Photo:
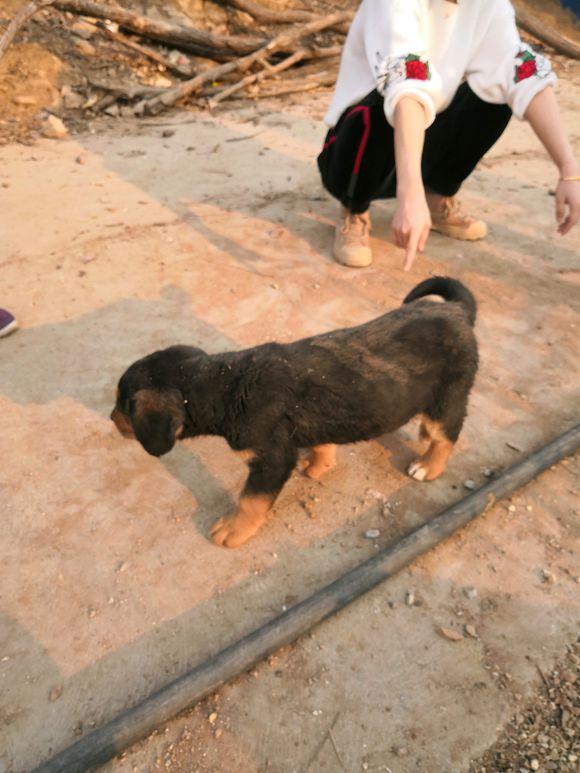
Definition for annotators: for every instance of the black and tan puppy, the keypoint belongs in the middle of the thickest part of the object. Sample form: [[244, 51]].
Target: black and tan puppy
[[339, 387]]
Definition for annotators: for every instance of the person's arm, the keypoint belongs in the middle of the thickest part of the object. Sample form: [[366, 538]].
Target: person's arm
[[412, 219], [543, 115]]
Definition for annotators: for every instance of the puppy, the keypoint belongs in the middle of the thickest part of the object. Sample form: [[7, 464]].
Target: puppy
[[340, 387]]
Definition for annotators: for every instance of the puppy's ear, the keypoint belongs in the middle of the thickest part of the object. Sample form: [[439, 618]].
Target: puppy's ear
[[157, 416]]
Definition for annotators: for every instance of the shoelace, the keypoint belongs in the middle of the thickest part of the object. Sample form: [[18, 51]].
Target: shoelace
[[355, 228]]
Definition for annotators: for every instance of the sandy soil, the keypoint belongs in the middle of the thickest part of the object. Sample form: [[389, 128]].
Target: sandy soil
[[214, 230]]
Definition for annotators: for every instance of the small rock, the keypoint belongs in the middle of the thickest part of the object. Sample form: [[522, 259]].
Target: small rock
[[73, 100], [548, 577], [218, 732], [470, 593], [572, 758], [534, 765], [87, 258], [401, 751], [112, 110], [212, 718], [85, 48], [161, 82], [25, 99], [54, 128], [55, 693], [82, 160], [512, 508], [450, 634], [469, 484], [168, 132], [470, 631], [488, 472], [82, 29], [372, 533], [409, 598], [91, 612]]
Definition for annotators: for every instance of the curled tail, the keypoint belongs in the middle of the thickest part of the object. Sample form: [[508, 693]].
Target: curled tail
[[450, 289]]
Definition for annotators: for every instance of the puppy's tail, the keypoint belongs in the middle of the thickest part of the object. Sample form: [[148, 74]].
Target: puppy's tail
[[450, 289]]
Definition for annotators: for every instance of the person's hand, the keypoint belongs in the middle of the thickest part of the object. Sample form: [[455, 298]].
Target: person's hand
[[411, 224], [567, 205]]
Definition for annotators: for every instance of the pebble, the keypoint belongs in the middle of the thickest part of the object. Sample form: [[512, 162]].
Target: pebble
[[81, 160], [85, 48], [512, 508], [25, 99], [469, 484], [409, 598], [218, 732], [470, 631], [55, 693], [470, 593], [372, 533], [534, 765], [54, 128], [401, 751], [488, 472], [212, 718], [450, 634], [168, 132]]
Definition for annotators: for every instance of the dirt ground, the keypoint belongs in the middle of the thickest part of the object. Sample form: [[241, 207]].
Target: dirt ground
[[214, 230]]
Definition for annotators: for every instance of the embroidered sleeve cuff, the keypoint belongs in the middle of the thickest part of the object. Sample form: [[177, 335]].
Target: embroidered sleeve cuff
[[531, 74], [409, 89]]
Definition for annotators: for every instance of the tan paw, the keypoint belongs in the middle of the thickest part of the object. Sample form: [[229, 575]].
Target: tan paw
[[232, 531], [316, 471], [420, 470]]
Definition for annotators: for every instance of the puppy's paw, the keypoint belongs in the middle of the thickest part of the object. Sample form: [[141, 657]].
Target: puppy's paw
[[232, 531], [316, 470], [422, 469], [417, 470]]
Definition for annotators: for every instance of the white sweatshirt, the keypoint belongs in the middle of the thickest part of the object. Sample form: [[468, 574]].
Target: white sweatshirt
[[426, 48]]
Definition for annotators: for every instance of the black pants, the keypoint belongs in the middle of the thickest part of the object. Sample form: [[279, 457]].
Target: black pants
[[357, 163]]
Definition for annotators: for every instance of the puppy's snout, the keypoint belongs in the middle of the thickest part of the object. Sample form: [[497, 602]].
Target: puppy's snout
[[122, 423]]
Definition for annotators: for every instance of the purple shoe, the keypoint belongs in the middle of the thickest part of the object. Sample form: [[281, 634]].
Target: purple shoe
[[7, 323]]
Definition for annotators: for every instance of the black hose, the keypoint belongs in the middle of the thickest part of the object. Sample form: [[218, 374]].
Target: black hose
[[134, 724]]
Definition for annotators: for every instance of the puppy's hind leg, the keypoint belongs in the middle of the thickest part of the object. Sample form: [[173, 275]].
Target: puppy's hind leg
[[440, 426], [322, 459], [434, 461]]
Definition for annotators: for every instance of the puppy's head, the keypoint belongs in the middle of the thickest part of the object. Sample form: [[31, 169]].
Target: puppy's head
[[150, 404]]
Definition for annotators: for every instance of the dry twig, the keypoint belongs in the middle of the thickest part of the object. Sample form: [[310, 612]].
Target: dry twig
[[23, 15], [185, 72], [269, 16]]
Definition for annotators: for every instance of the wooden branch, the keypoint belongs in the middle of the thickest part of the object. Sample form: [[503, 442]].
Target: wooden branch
[[298, 85], [185, 72], [282, 42], [187, 38], [561, 44], [270, 72], [266, 15], [23, 15]]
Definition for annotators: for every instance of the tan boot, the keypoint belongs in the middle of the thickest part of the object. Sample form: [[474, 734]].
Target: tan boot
[[447, 218], [352, 240]]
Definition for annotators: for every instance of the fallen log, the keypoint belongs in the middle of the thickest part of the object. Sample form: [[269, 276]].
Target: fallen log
[[189, 39], [561, 44], [285, 41], [23, 15]]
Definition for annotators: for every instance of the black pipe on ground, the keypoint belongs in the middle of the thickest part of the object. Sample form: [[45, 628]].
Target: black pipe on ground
[[134, 724]]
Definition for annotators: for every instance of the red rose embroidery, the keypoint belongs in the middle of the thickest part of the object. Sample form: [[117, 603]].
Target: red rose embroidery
[[527, 68], [417, 69]]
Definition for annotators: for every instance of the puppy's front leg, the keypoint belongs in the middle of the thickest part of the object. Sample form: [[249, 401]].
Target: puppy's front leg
[[269, 471]]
